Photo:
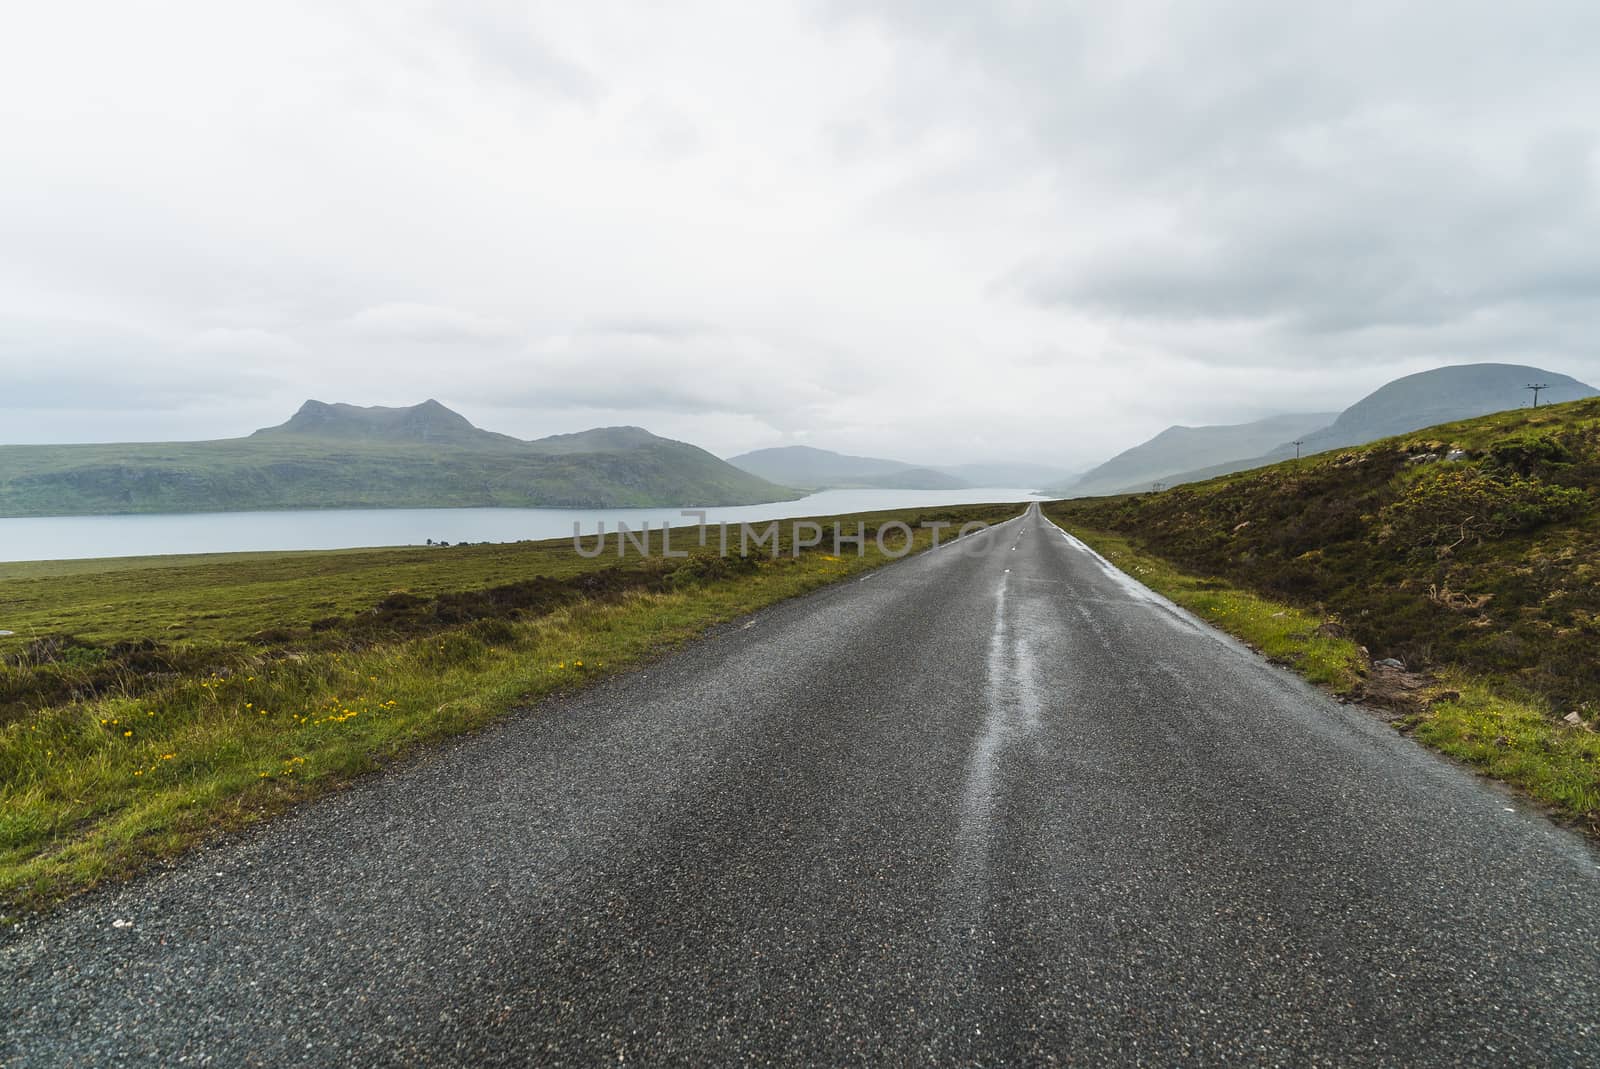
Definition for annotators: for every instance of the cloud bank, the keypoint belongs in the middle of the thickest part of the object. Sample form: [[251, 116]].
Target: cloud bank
[[936, 231]]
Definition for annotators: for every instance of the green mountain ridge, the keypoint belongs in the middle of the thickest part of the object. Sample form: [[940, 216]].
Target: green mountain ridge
[[346, 456], [1443, 395], [1426, 398], [427, 423]]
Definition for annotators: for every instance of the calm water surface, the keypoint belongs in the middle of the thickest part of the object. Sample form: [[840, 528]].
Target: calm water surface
[[68, 537]]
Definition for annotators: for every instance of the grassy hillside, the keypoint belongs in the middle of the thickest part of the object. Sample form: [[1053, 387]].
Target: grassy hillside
[[338, 456], [1473, 545], [147, 703]]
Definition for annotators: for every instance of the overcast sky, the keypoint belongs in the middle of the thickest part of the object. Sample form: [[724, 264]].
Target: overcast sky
[[932, 231]]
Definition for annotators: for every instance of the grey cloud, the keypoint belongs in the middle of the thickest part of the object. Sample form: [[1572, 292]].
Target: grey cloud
[[685, 368], [664, 330], [1425, 245], [243, 342], [1321, 170], [64, 366], [502, 38], [1051, 227], [426, 323]]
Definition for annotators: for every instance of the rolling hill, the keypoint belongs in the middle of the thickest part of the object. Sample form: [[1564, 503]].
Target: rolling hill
[[1440, 395], [345, 456]]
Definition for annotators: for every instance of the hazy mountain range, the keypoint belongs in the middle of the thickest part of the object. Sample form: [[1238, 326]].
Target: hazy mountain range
[[1442, 395], [1179, 448], [427, 456], [817, 469], [344, 456]]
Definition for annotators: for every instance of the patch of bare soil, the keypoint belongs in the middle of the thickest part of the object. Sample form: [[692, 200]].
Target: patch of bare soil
[[1395, 692]]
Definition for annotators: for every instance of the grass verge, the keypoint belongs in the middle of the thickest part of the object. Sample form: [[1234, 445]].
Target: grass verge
[[1282, 632], [1508, 739], [99, 786]]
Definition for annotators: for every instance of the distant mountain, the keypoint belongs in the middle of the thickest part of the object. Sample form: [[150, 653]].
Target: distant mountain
[[1410, 403], [914, 479], [1442, 395], [1179, 449], [805, 466], [429, 423], [598, 440], [344, 456], [1008, 473]]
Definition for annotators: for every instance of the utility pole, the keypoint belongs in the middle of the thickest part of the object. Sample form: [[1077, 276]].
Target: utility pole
[[1536, 387], [1298, 442]]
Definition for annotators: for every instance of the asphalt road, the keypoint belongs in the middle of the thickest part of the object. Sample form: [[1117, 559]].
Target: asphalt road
[[993, 805]]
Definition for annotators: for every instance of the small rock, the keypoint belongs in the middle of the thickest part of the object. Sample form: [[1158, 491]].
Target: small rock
[[1278, 614], [121, 923], [1390, 662], [1455, 454], [1445, 696], [1574, 719]]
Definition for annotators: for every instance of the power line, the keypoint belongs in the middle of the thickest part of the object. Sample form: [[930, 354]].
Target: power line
[[1536, 387]]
